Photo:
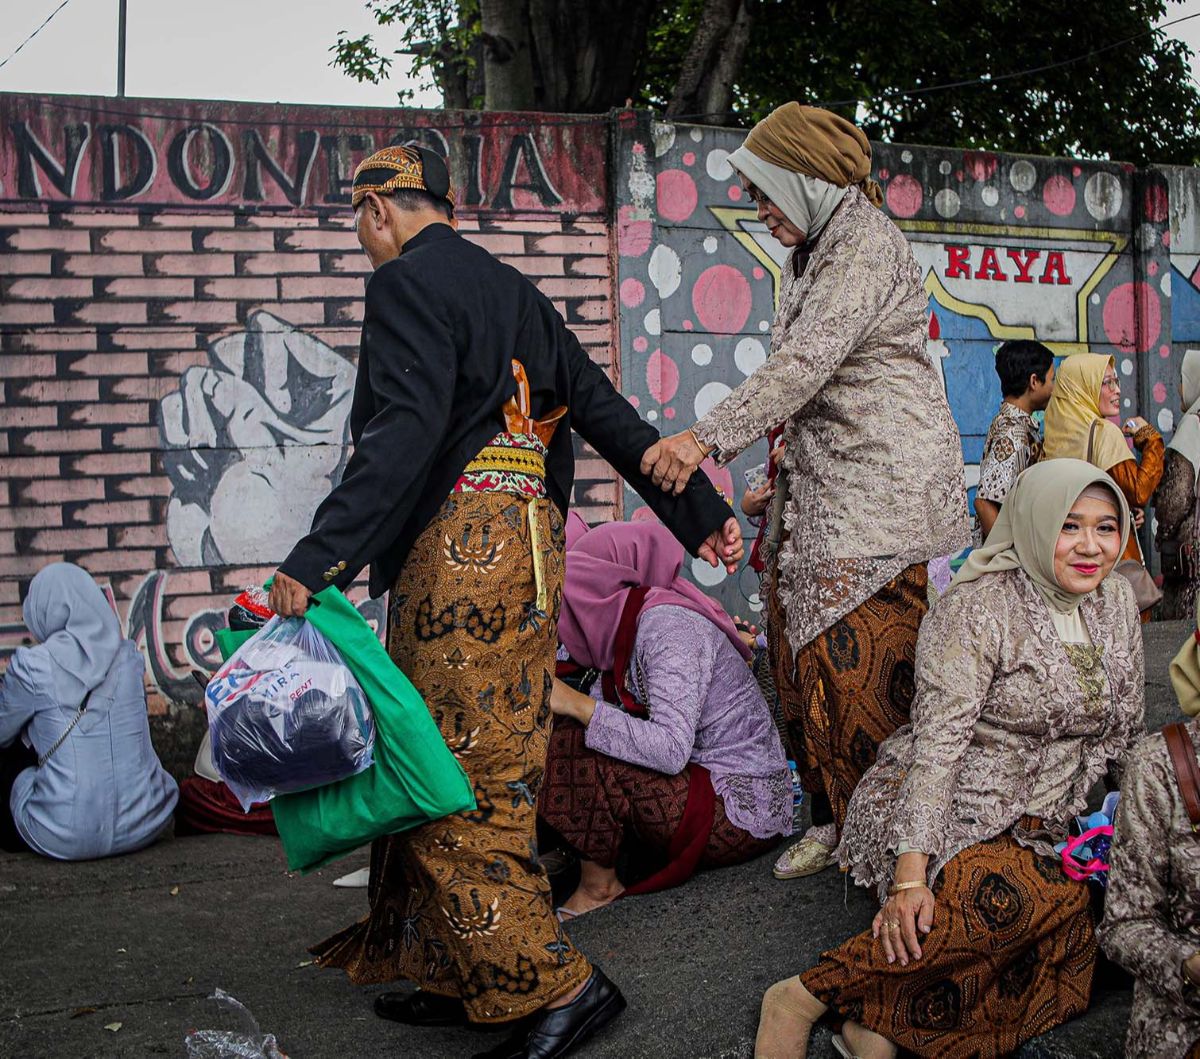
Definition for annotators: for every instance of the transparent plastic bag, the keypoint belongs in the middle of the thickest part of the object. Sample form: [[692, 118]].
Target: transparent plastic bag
[[248, 1043], [286, 714]]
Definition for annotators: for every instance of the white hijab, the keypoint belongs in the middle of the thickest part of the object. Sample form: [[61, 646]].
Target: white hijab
[[807, 201], [1186, 439], [75, 627]]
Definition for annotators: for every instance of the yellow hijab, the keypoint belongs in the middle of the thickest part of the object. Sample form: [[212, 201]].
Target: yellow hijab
[[1185, 673], [1074, 407], [1026, 531]]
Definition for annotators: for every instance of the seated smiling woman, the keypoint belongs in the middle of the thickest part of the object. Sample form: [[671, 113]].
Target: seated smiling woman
[[680, 755], [1029, 685]]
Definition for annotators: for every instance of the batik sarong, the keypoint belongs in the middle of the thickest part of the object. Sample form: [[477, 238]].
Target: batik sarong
[[461, 906], [599, 803], [850, 688], [1010, 956]]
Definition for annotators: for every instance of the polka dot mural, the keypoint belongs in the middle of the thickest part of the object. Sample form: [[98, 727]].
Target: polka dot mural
[[1009, 247]]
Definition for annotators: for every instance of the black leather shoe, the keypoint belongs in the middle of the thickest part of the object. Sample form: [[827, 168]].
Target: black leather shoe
[[553, 1033], [421, 1009]]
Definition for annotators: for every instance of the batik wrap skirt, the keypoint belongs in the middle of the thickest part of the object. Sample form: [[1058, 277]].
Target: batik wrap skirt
[[1010, 956], [598, 803], [461, 906], [849, 689]]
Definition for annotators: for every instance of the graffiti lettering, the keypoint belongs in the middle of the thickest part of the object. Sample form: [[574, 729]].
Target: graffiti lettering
[[117, 183], [31, 153], [219, 162], [274, 164], [1024, 264], [958, 265]]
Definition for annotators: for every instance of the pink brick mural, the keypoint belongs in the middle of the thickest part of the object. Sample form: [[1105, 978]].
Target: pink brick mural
[[180, 297]]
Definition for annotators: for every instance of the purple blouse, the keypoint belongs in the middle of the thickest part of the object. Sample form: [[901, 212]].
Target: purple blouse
[[705, 706]]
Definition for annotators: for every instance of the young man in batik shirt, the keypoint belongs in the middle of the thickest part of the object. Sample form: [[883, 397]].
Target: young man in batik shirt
[[1026, 370]]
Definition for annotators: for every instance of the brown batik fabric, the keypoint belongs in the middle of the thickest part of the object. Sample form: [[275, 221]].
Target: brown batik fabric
[[597, 803], [851, 687], [461, 906], [1010, 956]]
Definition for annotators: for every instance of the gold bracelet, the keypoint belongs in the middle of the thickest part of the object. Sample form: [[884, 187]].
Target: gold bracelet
[[705, 450], [896, 888]]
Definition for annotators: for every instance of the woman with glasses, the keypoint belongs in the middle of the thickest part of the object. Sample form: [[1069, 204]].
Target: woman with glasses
[[1087, 397], [871, 478]]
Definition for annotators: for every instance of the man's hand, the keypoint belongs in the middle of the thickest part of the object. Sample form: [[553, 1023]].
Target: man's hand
[[671, 461], [724, 547], [289, 598]]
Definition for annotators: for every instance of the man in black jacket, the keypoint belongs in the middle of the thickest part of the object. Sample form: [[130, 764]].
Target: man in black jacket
[[455, 496]]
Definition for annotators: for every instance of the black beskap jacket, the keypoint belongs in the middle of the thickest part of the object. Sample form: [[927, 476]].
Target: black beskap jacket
[[443, 323]]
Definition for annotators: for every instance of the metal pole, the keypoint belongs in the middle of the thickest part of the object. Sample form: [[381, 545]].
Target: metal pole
[[120, 48]]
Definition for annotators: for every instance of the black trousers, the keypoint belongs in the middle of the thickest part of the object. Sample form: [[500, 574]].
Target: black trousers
[[14, 759]]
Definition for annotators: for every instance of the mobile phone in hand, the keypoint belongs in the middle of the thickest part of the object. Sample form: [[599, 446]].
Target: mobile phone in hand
[[756, 477]]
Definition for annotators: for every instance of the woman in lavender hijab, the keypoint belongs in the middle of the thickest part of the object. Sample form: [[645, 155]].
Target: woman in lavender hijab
[[675, 749], [78, 776]]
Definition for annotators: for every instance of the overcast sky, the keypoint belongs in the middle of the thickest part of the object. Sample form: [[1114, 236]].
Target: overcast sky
[[264, 50]]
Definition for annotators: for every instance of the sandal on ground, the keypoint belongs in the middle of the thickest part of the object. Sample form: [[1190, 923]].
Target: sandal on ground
[[806, 857], [562, 913]]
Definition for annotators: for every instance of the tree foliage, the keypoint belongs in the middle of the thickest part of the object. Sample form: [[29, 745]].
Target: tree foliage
[[1058, 77]]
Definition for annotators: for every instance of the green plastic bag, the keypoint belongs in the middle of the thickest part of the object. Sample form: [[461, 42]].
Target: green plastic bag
[[415, 777]]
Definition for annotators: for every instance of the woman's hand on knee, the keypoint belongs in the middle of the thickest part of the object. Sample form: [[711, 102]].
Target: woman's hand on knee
[[902, 921]]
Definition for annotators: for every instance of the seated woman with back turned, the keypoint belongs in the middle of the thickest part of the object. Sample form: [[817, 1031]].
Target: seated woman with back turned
[[681, 753], [1029, 685], [78, 775]]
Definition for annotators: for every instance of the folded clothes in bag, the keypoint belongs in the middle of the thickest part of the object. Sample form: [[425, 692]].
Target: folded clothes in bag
[[286, 714], [415, 777]]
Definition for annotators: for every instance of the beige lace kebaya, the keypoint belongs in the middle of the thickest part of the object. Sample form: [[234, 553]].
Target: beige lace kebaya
[[873, 456], [1011, 717]]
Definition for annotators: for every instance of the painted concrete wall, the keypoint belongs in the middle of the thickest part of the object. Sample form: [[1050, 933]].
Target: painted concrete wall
[[180, 300], [181, 291], [1077, 255]]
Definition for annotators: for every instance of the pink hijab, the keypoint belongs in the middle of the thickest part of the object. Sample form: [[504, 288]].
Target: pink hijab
[[603, 564]]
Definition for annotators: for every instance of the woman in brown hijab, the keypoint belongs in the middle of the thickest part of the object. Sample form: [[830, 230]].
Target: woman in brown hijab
[[871, 484]]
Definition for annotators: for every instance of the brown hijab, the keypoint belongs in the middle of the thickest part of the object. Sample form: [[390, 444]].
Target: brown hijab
[[817, 142]]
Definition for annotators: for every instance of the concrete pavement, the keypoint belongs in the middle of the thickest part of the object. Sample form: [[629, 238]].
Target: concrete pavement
[[141, 941]]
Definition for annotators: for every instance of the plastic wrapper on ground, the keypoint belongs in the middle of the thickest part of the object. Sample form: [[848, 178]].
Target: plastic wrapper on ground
[[247, 1042]]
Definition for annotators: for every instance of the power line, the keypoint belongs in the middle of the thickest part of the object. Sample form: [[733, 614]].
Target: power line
[[34, 33]]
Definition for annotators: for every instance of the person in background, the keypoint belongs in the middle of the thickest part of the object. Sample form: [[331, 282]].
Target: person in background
[[1151, 923], [675, 750], [1014, 442], [871, 482], [1087, 395], [1175, 501], [79, 778], [1030, 687]]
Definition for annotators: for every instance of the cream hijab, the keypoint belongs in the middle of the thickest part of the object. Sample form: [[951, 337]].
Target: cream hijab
[[1027, 528], [807, 201], [1074, 407], [1185, 673], [1186, 439]]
